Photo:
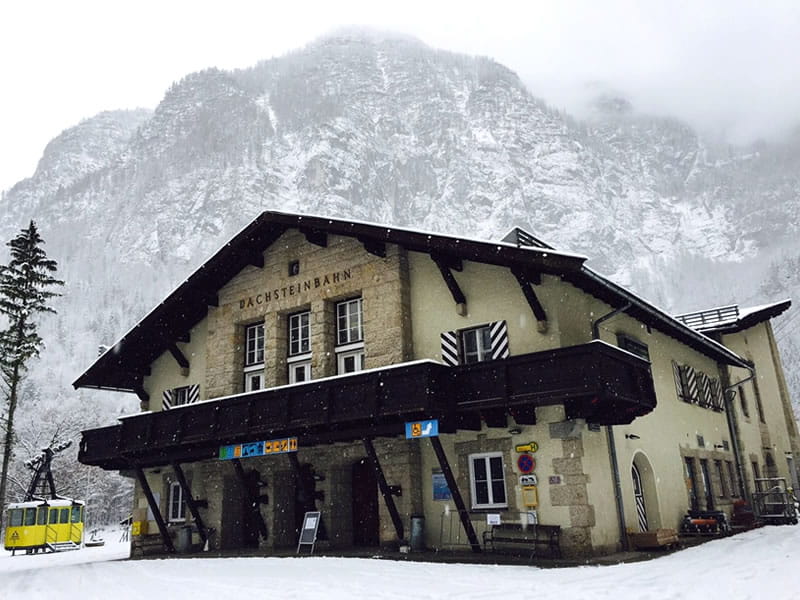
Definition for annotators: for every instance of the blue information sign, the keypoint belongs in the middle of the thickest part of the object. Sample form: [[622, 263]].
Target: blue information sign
[[248, 449], [420, 429]]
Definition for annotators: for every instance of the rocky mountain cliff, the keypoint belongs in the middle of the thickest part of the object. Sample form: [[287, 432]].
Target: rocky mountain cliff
[[386, 129]]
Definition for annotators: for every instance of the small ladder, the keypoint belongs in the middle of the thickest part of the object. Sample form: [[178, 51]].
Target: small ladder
[[62, 546]]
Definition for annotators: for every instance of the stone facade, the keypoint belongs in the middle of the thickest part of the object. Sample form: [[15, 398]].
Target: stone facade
[[340, 271]]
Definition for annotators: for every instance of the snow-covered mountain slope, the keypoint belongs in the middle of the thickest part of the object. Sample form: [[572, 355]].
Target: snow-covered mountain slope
[[386, 129]]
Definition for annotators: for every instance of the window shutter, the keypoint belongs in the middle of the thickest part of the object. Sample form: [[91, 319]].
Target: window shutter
[[716, 395], [703, 391], [691, 385], [676, 372], [194, 393], [166, 399], [450, 348], [498, 333]]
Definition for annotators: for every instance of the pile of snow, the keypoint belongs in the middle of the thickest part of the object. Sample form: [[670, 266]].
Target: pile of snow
[[756, 564]]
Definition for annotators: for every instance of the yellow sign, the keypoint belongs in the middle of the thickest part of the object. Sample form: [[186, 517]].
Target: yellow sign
[[280, 446], [416, 429], [529, 447], [530, 496], [139, 528]]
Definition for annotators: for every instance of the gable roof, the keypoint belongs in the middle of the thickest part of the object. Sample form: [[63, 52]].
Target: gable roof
[[121, 367]]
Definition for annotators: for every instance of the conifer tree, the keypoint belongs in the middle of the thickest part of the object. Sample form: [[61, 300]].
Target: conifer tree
[[26, 284]]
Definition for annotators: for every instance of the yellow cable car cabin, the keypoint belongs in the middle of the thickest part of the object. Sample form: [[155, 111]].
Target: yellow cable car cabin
[[45, 525]]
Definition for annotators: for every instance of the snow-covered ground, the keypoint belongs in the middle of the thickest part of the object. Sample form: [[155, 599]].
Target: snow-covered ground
[[758, 564]]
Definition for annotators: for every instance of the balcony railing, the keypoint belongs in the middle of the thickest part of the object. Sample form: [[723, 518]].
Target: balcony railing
[[594, 381]]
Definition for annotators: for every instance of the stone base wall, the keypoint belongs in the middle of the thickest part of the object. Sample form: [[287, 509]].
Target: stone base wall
[[576, 538], [218, 484]]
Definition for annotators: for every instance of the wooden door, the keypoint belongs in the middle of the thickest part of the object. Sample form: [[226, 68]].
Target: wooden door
[[365, 504]]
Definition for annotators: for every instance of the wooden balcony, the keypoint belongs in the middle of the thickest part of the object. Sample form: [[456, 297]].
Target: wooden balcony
[[594, 381]]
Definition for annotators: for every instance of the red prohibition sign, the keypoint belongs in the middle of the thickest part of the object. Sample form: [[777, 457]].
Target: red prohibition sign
[[526, 463]]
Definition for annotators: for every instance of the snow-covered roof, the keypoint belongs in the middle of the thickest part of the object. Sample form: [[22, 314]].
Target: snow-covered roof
[[732, 318], [57, 502]]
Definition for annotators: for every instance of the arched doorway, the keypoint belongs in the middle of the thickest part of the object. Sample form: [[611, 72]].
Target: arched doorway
[[645, 496], [365, 504]]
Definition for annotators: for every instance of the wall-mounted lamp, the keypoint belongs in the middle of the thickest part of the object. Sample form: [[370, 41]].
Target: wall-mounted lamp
[[719, 446], [515, 430], [631, 436]]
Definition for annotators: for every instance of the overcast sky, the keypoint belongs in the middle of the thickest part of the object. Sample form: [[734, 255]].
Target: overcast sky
[[729, 67]]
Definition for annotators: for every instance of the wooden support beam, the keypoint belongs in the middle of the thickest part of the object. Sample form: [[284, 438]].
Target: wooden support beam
[[183, 338], [141, 394], [190, 502], [525, 283], [452, 285], [451, 262], [454, 491], [374, 247], [315, 236], [495, 417], [256, 260], [253, 496], [151, 502], [212, 300], [385, 488], [179, 357]]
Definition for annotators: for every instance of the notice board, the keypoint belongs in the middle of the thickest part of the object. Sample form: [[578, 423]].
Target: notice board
[[308, 533]]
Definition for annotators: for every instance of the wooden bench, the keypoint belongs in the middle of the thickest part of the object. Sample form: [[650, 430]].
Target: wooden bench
[[548, 536]]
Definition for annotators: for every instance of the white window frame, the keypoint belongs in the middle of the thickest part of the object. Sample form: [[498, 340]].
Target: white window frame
[[482, 353], [300, 333], [250, 375], [357, 353], [254, 335], [298, 365], [180, 395], [253, 351], [487, 456], [345, 318], [179, 516]]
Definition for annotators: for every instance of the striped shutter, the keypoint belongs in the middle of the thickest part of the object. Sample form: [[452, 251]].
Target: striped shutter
[[498, 333], [676, 373], [450, 353], [166, 400], [194, 393], [692, 392], [716, 395], [703, 392]]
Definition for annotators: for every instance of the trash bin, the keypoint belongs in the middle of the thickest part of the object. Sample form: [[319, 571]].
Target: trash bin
[[417, 533], [183, 541]]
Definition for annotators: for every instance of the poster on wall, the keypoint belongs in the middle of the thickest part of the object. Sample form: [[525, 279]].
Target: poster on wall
[[440, 489]]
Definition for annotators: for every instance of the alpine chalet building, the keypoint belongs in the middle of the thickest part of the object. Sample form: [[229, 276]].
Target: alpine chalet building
[[424, 387]]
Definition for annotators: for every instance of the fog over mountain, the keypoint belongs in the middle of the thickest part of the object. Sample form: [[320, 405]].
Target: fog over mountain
[[385, 129]]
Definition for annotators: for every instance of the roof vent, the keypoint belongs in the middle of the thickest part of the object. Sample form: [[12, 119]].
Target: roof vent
[[713, 316], [523, 239]]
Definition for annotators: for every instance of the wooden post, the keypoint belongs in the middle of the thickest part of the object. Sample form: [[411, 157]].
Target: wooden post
[[384, 487], [151, 501], [459, 501]]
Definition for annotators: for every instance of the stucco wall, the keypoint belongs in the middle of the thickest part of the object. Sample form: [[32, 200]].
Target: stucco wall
[[165, 373]]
